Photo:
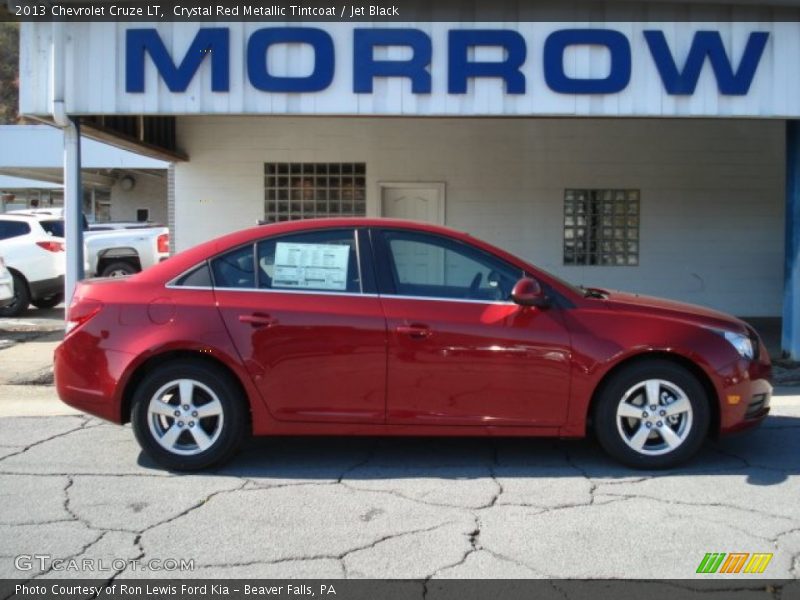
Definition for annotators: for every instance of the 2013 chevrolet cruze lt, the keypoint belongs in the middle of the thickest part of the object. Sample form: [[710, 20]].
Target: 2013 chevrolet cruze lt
[[384, 327]]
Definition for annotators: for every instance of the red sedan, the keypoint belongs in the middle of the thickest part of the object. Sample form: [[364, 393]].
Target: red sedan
[[384, 327]]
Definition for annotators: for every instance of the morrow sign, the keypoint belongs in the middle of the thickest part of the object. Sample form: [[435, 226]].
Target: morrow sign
[[213, 44]]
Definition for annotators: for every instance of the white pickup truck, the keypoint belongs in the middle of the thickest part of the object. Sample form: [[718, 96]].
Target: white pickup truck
[[117, 248], [118, 251]]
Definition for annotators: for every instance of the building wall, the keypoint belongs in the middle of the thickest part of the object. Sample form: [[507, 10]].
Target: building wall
[[711, 190], [149, 192]]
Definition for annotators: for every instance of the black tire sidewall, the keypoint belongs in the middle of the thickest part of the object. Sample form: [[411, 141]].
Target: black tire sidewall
[[22, 298], [49, 302], [605, 414], [119, 265], [234, 428]]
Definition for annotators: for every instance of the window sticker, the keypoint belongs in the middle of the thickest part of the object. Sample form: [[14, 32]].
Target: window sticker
[[311, 266]]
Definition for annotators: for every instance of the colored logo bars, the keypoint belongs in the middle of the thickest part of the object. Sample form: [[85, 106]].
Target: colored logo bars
[[735, 562]]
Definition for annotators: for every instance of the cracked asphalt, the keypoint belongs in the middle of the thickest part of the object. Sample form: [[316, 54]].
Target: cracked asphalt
[[316, 508]]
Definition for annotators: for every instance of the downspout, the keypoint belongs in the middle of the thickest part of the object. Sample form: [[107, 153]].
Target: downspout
[[73, 192]]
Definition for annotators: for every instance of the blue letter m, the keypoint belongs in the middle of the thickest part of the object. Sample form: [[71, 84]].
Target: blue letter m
[[208, 41], [706, 44]]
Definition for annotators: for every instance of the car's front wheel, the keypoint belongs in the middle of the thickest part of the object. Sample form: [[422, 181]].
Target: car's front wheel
[[653, 414], [188, 415]]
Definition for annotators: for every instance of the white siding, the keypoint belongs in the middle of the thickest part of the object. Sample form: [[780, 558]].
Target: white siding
[[712, 190], [149, 192]]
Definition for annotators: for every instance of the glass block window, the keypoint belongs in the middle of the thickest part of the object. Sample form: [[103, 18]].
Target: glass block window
[[308, 190], [601, 227]]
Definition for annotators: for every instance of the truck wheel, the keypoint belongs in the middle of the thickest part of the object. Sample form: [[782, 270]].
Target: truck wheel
[[119, 268], [22, 297]]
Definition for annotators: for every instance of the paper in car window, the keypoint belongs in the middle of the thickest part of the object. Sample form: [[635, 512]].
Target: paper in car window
[[311, 266]]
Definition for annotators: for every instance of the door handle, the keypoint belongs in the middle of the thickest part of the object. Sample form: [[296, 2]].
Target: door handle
[[415, 331], [258, 320]]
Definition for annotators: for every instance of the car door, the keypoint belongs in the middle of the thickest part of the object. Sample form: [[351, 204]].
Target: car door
[[460, 352], [308, 325]]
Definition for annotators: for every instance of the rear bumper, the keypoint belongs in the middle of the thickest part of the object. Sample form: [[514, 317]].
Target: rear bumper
[[46, 288], [87, 375]]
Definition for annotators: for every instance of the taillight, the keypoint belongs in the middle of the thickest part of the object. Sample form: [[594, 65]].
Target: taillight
[[163, 243], [80, 311], [51, 246]]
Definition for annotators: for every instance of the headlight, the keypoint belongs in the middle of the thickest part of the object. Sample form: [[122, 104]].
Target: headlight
[[740, 341]]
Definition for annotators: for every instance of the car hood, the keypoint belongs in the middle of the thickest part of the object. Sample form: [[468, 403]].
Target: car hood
[[616, 300]]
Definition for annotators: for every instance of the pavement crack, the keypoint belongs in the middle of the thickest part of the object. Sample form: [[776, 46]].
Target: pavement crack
[[364, 461], [192, 508], [762, 513], [746, 462], [493, 473], [397, 494], [137, 541], [68, 559], [474, 545], [24, 449], [340, 557], [571, 462]]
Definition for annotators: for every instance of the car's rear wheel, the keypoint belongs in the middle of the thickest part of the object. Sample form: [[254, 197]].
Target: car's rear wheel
[[188, 415], [22, 298], [653, 414], [48, 302]]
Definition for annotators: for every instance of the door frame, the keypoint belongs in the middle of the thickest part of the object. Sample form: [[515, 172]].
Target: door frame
[[438, 185]]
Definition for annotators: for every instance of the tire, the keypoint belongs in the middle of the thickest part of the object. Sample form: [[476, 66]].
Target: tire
[[48, 302], [153, 420], [22, 297], [118, 268], [639, 437]]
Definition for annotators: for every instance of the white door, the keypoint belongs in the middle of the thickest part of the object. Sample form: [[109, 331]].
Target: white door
[[418, 202]]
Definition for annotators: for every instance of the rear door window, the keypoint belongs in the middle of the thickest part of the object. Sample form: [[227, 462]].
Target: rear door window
[[12, 229], [321, 261]]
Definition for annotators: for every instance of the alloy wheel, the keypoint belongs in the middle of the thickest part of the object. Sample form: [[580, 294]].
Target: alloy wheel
[[654, 417], [185, 417]]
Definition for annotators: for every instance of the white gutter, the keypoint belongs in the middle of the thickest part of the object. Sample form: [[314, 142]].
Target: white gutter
[[73, 192]]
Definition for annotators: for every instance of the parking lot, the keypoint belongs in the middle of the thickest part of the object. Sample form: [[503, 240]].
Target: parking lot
[[76, 487]]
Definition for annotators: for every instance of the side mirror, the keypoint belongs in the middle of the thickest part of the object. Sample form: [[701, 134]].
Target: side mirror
[[528, 292]]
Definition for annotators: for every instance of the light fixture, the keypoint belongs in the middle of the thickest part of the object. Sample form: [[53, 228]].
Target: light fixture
[[127, 183]]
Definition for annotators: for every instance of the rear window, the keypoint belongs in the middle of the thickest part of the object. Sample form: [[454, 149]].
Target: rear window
[[11, 229], [54, 227], [198, 277]]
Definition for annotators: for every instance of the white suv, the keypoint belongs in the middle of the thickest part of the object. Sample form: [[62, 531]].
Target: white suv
[[32, 246]]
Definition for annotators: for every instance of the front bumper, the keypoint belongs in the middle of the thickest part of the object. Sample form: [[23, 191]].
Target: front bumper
[[745, 393]]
